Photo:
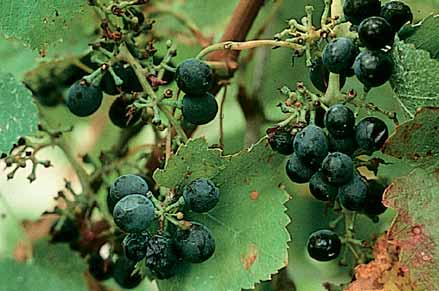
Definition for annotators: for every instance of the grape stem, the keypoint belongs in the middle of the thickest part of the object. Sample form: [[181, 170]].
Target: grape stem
[[251, 44], [155, 100]]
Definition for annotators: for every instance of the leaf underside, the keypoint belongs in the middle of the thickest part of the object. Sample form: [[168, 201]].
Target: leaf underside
[[414, 80]]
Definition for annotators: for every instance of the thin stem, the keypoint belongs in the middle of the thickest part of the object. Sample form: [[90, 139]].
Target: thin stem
[[83, 177], [221, 118], [174, 123], [239, 46]]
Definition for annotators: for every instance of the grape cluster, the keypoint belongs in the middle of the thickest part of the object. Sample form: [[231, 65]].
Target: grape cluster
[[324, 159], [376, 26], [195, 78], [134, 212]]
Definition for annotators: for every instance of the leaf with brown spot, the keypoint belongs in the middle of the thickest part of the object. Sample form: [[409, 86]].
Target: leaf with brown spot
[[416, 140], [249, 259], [415, 230], [251, 236], [384, 273]]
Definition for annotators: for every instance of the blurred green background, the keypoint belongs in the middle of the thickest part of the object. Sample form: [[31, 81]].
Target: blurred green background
[[269, 71]]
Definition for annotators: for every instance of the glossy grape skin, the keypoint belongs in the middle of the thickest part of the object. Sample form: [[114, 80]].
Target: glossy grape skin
[[297, 171], [338, 168], [324, 245], [339, 55], [397, 14], [321, 189], [340, 120], [376, 33], [357, 10], [311, 145], [371, 133], [353, 194], [373, 68]]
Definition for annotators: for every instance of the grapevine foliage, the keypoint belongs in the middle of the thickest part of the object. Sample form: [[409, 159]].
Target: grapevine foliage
[[412, 66], [39, 23], [248, 221], [20, 118]]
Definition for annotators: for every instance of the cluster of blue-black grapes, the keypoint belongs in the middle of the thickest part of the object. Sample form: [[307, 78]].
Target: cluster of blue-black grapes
[[376, 26], [134, 212], [324, 159]]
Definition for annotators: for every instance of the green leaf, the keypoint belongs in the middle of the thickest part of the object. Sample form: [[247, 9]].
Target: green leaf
[[18, 116], [415, 230], [53, 268], [424, 35], [415, 140], [39, 23], [414, 80], [249, 222], [208, 164]]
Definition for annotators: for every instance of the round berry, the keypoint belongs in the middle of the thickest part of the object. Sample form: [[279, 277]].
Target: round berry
[[83, 99], [199, 109], [371, 133], [357, 10], [319, 75], [321, 189], [134, 213], [353, 194], [340, 120], [281, 140], [122, 114], [127, 185], [195, 244], [373, 68], [339, 55], [324, 245], [374, 202], [297, 171], [161, 257], [375, 33], [346, 145], [101, 269], [397, 14], [194, 77], [201, 195], [134, 246], [338, 168], [311, 145], [123, 273]]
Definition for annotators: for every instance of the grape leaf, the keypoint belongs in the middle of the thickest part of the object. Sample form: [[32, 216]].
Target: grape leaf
[[414, 80], [248, 223], [424, 35], [415, 228], [384, 273], [54, 268], [39, 23], [18, 116], [415, 140]]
